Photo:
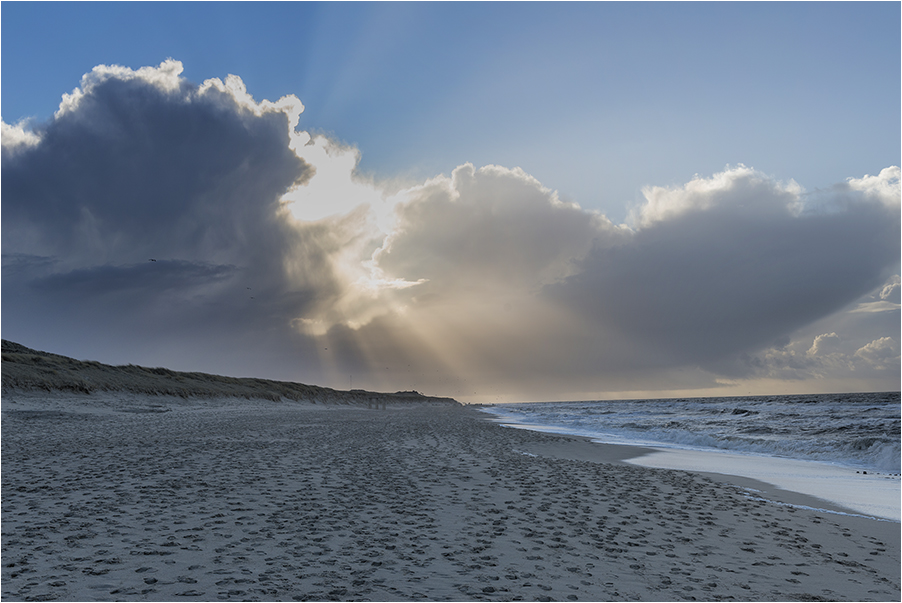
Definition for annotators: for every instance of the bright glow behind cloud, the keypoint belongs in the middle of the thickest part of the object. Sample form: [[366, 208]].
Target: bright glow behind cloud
[[335, 188]]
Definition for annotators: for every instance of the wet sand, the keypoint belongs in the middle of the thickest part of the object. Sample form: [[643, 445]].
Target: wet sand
[[129, 498]]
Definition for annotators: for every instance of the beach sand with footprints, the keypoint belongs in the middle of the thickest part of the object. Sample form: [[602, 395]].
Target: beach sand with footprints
[[135, 497]]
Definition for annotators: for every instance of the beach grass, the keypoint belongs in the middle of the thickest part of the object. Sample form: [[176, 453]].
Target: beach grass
[[32, 370]]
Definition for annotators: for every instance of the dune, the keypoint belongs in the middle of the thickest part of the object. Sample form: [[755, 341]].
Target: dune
[[27, 370]]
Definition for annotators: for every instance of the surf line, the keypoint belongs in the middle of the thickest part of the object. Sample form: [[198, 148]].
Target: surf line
[[748, 494]]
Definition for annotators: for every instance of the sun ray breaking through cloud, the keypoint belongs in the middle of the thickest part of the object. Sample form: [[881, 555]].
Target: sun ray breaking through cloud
[[269, 240]]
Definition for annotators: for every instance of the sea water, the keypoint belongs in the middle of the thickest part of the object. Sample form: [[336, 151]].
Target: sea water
[[843, 448]]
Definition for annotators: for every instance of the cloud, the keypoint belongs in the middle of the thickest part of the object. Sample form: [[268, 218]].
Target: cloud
[[17, 138], [886, 299], [736, 266], [890, 290], [137, 164], [492, 227], [825, 344], [880, 353], [274, 256], [740, 189], [548, 296], [161, 277], [824, 353], [882, 188], [141, 165]]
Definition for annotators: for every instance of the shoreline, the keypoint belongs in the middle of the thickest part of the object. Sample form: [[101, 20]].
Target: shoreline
[[146, 498], [825, 486], [585, 448]]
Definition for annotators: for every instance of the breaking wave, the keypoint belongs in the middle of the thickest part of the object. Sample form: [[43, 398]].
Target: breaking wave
[[857, 430]]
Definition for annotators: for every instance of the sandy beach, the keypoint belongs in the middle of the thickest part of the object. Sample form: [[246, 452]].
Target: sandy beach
[[134, 497]]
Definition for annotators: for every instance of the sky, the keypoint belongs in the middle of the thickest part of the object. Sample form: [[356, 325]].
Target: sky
[[495, 202]]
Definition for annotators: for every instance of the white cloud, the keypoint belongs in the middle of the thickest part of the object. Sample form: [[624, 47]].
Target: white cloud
[[876, 306], [489, 227], [235, 90], [828, 343], [881, 353], [738, 188], [890, 291], [883, 187], [165, 77], [18, 137], [888, 300]]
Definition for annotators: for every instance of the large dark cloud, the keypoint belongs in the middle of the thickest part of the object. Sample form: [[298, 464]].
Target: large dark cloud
[[135, 169], [141, 166]]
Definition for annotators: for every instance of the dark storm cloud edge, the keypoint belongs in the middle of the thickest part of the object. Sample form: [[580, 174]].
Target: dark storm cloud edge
[[145, 165], [27, 369]]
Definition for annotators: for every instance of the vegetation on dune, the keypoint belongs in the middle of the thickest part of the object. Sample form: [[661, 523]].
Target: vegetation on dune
[[27, 369]]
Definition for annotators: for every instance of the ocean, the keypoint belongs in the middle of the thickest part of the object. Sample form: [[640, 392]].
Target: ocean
[[830, 440]]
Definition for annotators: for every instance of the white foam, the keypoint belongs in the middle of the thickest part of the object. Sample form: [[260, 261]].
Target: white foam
[[870, 494]]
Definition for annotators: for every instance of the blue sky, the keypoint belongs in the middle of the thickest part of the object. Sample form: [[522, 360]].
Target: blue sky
[[686, 198], [596, 100]]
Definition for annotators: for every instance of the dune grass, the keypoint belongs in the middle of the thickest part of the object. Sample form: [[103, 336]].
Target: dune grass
[[27, 369]]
